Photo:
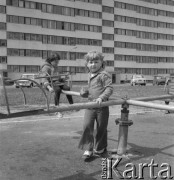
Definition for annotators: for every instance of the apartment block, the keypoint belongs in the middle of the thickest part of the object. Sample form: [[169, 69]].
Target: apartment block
[[135, 36]]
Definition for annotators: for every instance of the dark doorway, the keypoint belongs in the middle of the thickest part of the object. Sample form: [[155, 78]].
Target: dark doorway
[[113, 78]]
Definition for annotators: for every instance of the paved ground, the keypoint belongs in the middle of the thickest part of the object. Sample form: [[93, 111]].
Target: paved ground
[[45, 148]]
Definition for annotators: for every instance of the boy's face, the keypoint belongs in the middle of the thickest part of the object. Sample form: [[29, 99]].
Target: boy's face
[[55, 62], [94, 65]]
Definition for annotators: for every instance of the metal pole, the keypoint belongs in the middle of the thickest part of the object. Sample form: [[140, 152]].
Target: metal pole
[[24, 96], [5, 93], [152, 98], [86, 105], [73, 93], [123, 130], [38, 85], [150, 105]]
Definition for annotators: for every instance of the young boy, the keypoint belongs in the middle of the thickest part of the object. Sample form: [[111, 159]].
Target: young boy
[[49, 68], [99, 90]]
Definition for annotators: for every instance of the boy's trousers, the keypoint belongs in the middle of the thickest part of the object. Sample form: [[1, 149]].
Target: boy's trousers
[[95, 140]]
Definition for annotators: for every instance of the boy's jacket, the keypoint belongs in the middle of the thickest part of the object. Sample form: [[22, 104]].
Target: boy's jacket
[[48, 70], [100, 86]]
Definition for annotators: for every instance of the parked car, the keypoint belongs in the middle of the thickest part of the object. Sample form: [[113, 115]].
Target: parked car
[[8, 81], [159, 80], [27, 83], [138, 79]]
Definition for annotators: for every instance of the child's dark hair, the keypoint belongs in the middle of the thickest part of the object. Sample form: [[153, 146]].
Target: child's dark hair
[[53, 57], [94, 55]]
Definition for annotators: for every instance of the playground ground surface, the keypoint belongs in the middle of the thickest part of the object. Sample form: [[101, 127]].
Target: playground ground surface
[[43, 147]]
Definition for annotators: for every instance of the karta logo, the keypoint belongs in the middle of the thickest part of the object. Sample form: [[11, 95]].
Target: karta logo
[[109, 170]]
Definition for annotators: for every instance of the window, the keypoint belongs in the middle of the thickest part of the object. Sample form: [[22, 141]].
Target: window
[[44, 7], [108, 50], [33, 21], [45, 23], [9, 2], [3, 59], [49, 8], [15, 3], [12, 52], [120, 44], [33, 5], [131, 7], [21, 52], [80, 55], [72, 69], [80, 70], [27, 36], [44, 39], [3, 43], [68, 11], [62, 69], [28, 20], [21, 3], [2, 26], [109, 63], [38, 6], [57, 9], [2, 9], [161, 24], [22, 68], [119, 5], [162, 71], [91, 1], [21, 20], [108, 23], [27, 4], [32, 68], [108, 36], [44, 54], [33, 37], [108, 9], [72, 55]]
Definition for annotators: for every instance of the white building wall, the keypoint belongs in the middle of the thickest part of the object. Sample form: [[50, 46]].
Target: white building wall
[[3, 2]]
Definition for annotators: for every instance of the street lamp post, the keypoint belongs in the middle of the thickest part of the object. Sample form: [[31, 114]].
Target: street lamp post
[[68, 58]]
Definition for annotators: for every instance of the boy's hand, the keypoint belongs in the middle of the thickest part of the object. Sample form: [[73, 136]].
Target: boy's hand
[[66, 78], [62, 80], [84, 93], [99, 101], [50, 89]]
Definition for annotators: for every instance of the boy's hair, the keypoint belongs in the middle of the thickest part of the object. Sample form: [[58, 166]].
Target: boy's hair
[[94, 55], [53, 57]]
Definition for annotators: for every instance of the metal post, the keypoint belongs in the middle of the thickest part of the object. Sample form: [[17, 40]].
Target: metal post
[[123, 129], [3, 89]]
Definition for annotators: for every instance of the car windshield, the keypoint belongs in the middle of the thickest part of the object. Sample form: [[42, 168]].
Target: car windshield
[[138, 76], [160, 77]]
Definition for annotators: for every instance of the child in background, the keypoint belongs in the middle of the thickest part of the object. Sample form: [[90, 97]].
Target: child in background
[[50, 68], [99, 90]]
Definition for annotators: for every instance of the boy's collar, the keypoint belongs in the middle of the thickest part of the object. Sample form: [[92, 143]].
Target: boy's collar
[[96, 73]]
